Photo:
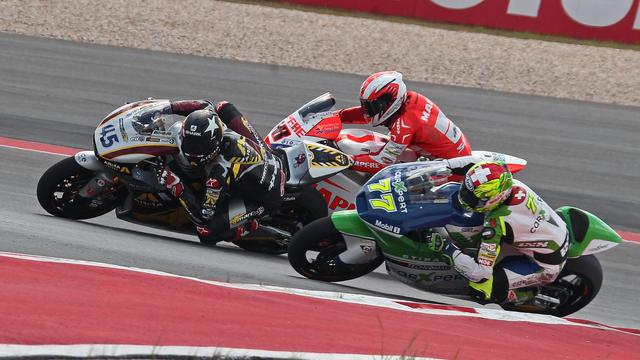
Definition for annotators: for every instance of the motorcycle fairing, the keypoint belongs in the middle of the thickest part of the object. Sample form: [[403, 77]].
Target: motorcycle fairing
[[587, 233], [88, 160], [312, 121], [121, 137], [407, 259], [420, 189], [308, 162]]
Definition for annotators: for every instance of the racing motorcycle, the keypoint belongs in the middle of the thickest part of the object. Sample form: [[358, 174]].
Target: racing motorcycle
[[120, 174], [315, 121], [402, 205]]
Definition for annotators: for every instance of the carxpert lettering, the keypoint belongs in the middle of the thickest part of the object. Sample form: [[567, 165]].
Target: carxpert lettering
[[399, 187]]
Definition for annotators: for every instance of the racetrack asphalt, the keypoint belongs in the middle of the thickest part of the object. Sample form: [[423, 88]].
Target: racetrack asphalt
[[52, 91]]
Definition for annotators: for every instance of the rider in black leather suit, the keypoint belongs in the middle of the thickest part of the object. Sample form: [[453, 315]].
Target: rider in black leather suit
[[241, 179]]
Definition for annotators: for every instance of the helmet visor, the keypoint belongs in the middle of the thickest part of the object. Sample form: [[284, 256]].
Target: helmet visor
[[469, 200], [375, 107], [199, 149]]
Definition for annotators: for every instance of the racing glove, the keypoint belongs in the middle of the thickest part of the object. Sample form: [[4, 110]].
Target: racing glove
[[462, 164], [436, 243], [171, 181]]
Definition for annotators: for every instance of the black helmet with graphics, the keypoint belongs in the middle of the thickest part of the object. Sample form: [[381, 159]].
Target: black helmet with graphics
[[201, 136]]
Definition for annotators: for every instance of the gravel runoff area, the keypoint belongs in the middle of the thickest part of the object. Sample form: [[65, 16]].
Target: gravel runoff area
[[338, 43]]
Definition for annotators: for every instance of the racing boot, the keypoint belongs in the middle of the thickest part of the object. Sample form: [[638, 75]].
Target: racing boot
[[206, 236], [521, 296], [245, 229]]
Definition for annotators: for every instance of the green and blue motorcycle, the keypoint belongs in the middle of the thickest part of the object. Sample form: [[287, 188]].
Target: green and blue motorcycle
[[403, 204]]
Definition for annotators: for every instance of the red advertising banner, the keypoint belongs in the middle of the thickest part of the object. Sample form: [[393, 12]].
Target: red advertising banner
[[612, 20]]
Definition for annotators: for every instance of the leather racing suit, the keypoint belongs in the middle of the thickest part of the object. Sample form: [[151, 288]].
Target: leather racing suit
[[242, 183], [523, 243], [419, 125]]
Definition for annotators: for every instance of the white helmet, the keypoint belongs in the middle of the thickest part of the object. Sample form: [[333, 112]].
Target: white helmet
[[382, 95]]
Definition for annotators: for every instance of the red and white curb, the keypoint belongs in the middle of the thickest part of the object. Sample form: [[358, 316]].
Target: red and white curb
[[114, 350], [61, 307], [424, 308]]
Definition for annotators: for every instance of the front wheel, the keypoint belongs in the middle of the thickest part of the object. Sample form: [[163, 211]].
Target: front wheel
[[58, 189], [292, 216], [576, 286], [313, 253]]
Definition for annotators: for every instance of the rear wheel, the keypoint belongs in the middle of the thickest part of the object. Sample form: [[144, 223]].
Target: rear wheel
[[577, 285], [58, 189], [291, 217], [313, 253]]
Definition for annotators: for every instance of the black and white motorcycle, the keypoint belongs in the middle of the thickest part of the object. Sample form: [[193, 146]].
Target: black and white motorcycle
[[120, 174]]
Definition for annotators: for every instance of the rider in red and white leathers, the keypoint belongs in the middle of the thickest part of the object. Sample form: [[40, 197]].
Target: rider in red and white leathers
[[413, 120]]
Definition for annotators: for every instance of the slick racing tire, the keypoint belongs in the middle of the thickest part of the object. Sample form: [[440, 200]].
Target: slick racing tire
[[58, 188], [292, 216], [322, 239], [577, 285]]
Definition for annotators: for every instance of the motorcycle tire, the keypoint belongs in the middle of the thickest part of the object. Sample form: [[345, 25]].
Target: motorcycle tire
[[322, 237], [307, 207], [65, 178], [582, 277]]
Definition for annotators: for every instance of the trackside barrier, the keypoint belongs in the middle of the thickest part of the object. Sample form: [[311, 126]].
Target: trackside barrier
[[604, 20]]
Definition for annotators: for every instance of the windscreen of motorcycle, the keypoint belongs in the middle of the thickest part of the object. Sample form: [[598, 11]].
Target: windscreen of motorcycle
[[137, 131], [405, 197]]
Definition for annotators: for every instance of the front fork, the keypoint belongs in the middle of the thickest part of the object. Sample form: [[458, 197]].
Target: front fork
[[96, 186], [101, 181]]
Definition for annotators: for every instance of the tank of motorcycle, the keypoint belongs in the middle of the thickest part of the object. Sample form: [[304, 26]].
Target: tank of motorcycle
[[137, 131], [364, 141], [410, 196]]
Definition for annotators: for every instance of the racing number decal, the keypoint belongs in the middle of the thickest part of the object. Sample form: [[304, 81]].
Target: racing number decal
[[383, 186], [282, 131], [108, 140], [386, 201]]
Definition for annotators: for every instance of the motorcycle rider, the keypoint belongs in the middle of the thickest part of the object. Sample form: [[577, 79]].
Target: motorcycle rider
[[524, 242], [412, 119], [228, 164]]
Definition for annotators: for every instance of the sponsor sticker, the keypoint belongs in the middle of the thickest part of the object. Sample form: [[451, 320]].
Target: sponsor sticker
[[532, 244], [488, 233], [488, 247], [468, 183], [400, 188], [241, 217], [387, 227], [485, 262]]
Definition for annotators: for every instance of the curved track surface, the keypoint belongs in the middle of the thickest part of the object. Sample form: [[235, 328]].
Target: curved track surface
[[52, 91]]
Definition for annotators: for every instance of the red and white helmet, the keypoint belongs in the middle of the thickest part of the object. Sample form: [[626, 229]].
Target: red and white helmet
[[382, 95]]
